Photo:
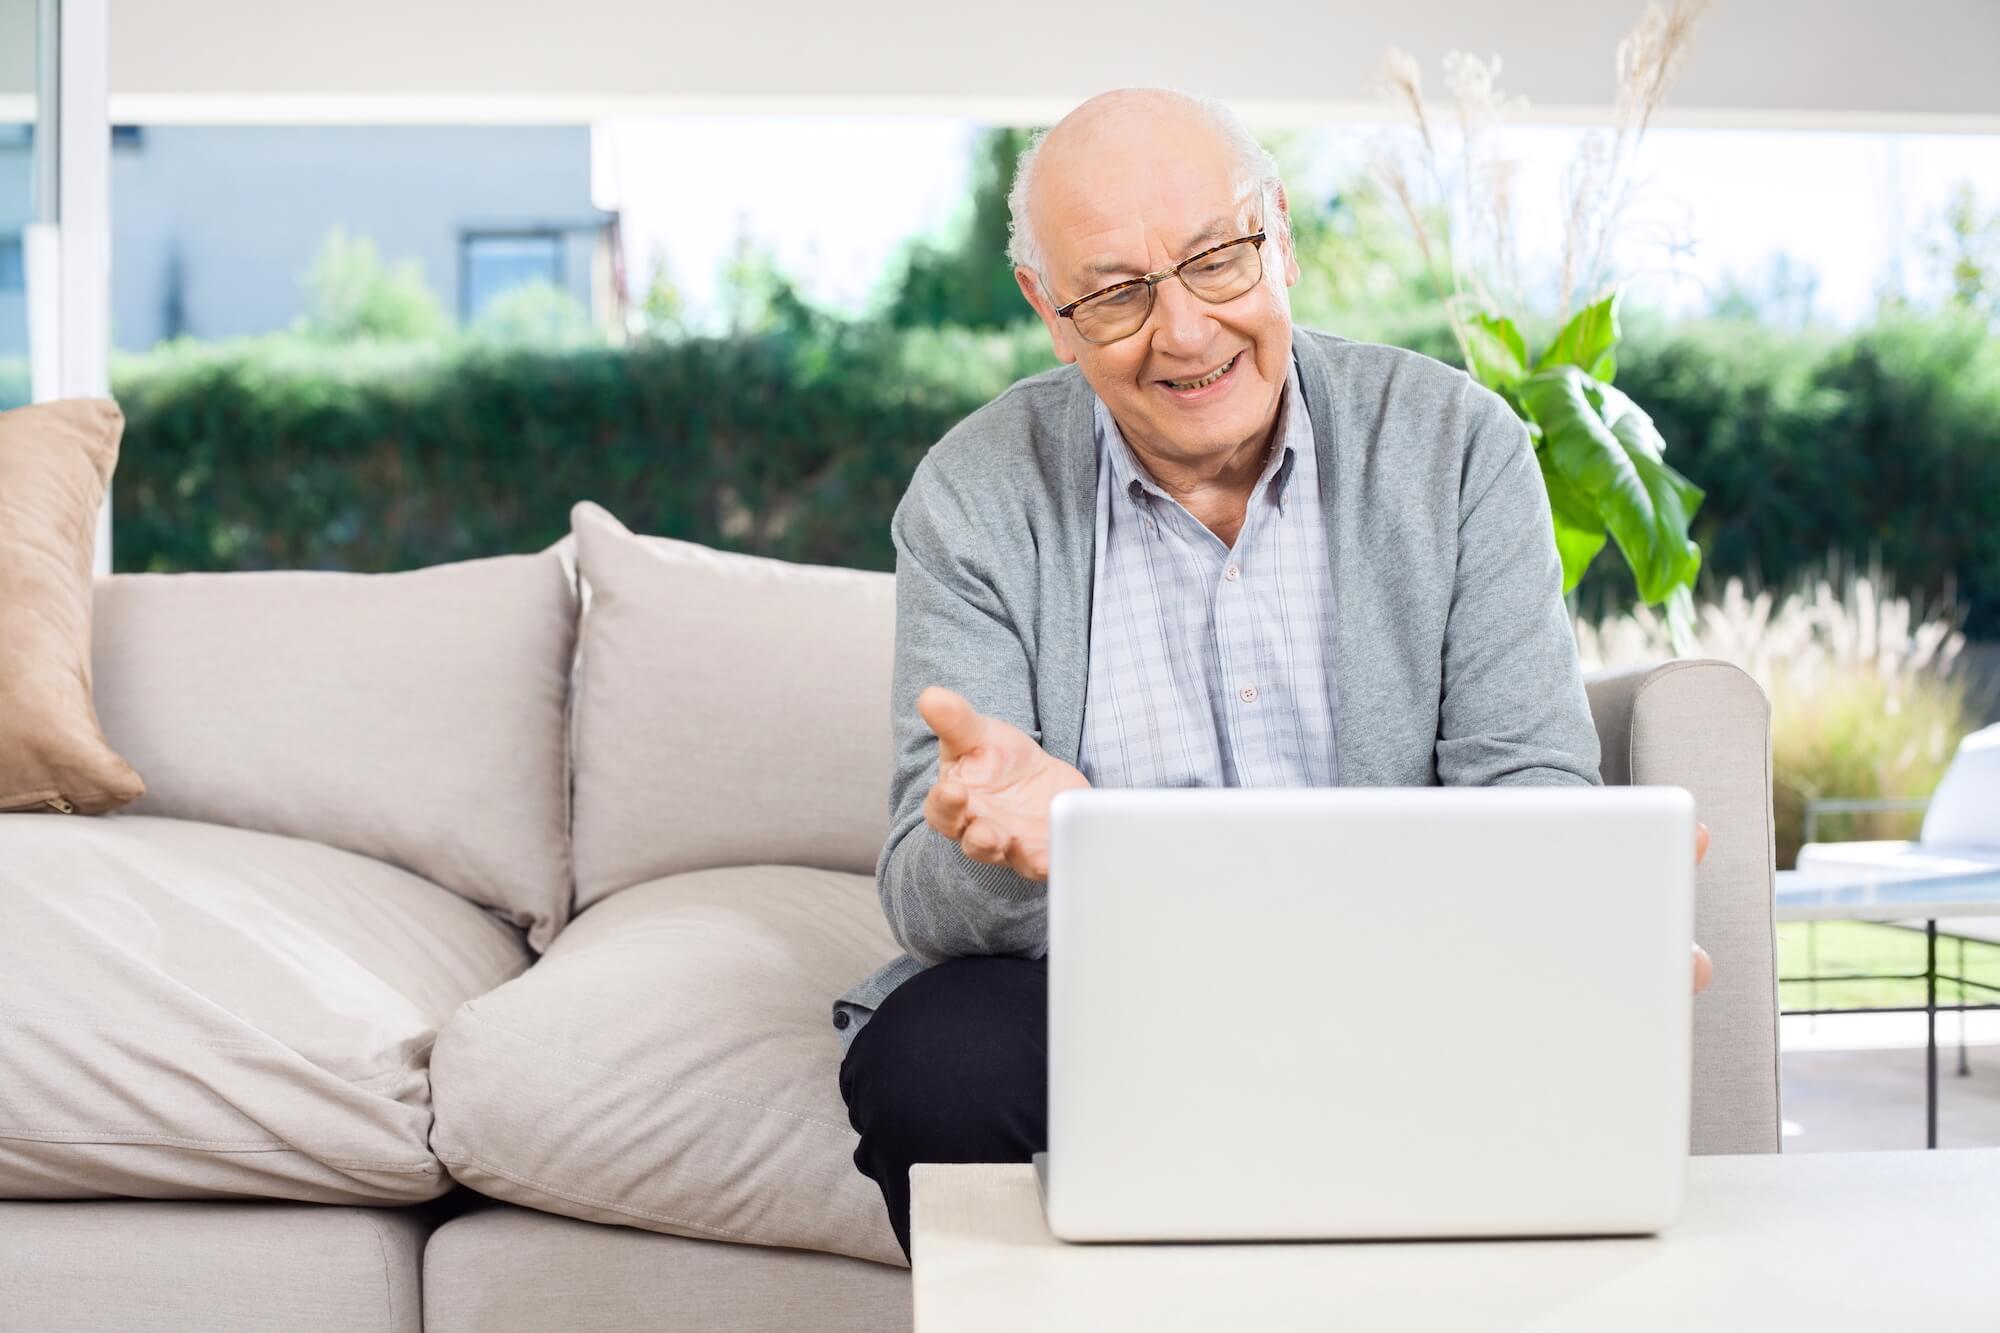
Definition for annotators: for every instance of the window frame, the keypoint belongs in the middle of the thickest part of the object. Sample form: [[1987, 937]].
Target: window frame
[[468, 237]]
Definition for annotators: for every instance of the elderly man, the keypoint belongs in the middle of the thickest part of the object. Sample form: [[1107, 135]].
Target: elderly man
[[1211, 550]]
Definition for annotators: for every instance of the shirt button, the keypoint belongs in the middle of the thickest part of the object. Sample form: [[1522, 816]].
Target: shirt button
[[1232, 573], [1248, 694]]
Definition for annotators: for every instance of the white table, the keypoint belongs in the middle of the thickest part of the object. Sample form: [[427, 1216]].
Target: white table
[[1949, 889], [1822, 1242]]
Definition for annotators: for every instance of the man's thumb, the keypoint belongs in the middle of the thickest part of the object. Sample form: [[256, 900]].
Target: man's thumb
[[956, 722]]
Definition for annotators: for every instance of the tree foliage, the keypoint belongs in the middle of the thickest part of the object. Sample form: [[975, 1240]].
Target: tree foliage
[[966, 280], [352, 294]]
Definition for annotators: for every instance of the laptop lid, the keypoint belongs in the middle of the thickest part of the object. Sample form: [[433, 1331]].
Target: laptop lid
[[1368, 1012]]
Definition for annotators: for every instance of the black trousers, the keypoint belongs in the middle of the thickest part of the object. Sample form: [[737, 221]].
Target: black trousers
[[954, 1067]]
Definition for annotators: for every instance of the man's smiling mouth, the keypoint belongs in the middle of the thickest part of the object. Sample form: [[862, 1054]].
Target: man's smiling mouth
[[1204, 381]]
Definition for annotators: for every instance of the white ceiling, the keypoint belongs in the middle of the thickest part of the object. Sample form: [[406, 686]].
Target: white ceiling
[[1914, 63]]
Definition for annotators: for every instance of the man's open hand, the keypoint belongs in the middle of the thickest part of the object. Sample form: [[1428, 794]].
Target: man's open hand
[[994, 785]]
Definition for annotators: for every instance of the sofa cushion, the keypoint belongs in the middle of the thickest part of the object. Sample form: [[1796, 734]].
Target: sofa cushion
[[730, 710], [415, 717], [668, 1065], [194, 1011], [498, 1269], [178, 1267], [55, 460]]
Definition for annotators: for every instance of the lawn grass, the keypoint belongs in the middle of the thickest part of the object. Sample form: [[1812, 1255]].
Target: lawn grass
[[1830, 948]]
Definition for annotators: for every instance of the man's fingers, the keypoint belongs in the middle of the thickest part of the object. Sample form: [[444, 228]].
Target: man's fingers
[[1704, 967], [956, 723], [984, 842], [946, 809]]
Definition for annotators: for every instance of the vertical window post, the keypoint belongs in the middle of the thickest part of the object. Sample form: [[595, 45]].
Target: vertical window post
[[80, 100]]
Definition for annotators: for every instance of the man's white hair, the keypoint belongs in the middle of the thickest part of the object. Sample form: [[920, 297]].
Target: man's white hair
[[1258, 168]]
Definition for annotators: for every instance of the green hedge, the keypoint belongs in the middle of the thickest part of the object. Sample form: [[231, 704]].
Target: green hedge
[[281, 453], [1887, 440]]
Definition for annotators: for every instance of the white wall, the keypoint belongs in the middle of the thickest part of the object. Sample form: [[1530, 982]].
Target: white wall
[[1772, 61]]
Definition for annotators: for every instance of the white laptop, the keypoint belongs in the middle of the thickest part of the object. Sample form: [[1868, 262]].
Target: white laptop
[[1368, 1012]]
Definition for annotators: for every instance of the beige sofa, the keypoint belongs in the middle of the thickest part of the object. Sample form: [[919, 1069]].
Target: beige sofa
[[467, 965]]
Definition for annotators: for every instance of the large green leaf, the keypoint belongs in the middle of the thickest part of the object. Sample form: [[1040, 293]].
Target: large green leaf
[[1586, 342], [1607, 451], [1580, 533], [1498, 352]]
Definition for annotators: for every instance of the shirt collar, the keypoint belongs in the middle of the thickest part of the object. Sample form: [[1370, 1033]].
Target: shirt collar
[[1293, 455]]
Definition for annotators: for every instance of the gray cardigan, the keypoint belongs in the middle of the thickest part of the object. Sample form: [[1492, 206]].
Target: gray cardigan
[[1454, 659]]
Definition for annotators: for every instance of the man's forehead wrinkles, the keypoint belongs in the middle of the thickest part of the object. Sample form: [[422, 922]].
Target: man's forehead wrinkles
[[1220, 228]]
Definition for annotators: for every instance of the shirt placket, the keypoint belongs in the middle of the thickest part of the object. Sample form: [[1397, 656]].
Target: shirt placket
[[1262, 633], [1187, 551], [1236, 642]]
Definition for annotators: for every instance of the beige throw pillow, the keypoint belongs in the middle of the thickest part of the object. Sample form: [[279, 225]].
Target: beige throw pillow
[[730, 711], [55, 461]]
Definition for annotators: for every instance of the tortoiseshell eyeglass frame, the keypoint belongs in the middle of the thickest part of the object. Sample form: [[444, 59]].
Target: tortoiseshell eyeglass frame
[[1150, 280]]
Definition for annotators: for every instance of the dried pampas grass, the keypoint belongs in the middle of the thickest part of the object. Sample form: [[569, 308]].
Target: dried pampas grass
[[1463, 214]]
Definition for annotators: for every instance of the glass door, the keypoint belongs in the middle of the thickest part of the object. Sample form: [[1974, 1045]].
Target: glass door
[[27, 207], [55, 207]]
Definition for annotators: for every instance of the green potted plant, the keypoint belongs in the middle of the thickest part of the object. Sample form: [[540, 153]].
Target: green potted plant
[[1601, 457]]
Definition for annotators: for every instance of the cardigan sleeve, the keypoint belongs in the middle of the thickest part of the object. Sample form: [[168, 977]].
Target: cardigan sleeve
[[1512, 709], [953, 629]]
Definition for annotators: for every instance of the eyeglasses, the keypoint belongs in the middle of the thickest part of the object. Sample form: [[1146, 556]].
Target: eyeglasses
[[1217, 274]]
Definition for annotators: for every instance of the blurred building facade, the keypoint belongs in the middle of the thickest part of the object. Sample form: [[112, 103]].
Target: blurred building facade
[[215, 227]]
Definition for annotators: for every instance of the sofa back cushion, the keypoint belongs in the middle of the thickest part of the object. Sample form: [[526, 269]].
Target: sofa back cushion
[[55, 460], [417, 718], [730, 710]]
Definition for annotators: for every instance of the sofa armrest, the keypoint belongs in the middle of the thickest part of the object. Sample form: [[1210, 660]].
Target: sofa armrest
[[1706, 726]]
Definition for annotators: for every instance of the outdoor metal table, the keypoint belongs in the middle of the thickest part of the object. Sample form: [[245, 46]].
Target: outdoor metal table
[[1862, 895]]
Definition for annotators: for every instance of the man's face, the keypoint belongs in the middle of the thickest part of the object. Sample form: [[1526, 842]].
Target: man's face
[[1130, 197]]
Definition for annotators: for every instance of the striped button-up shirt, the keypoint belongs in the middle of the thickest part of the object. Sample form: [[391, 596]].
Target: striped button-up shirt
[[1210, 665]]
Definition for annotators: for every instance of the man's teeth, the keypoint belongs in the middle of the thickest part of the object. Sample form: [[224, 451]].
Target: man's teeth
[[1206, 380]]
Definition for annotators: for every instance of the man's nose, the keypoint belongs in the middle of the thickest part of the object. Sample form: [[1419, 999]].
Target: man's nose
[[1182, 325]]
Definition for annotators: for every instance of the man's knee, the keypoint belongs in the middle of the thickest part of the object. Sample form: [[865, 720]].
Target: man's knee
[[954, 1065]]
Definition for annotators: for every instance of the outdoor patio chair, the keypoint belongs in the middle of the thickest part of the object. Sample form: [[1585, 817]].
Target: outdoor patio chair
[[1960, 839]]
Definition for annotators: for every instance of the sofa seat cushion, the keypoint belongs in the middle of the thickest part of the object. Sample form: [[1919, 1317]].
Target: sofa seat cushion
[[668, 1065], [499, 1269], [133, 1266], [194, 1011]]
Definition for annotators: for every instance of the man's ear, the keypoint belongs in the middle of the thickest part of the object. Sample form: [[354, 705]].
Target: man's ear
[[1031, 287], [1285, 242]]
